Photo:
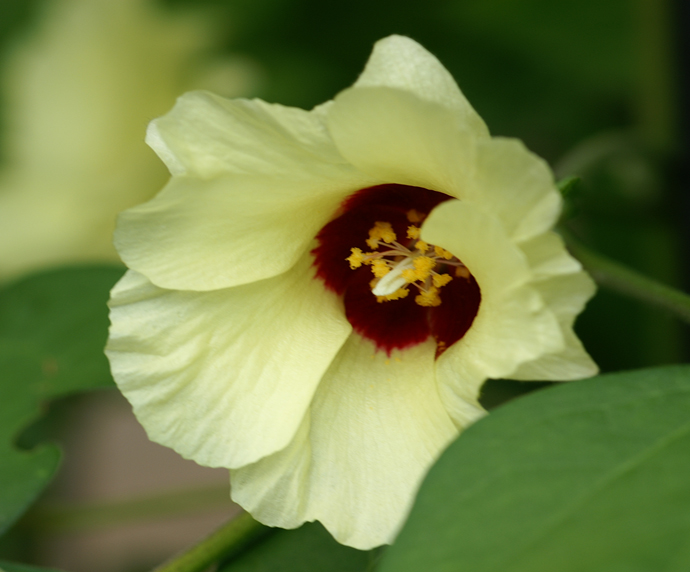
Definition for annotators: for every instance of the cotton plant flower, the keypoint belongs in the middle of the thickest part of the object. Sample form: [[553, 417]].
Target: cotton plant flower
[[316, 297], [78, 92]]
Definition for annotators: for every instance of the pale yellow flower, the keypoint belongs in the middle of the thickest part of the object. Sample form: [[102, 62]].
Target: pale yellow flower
[[78, 92], [265, 324]]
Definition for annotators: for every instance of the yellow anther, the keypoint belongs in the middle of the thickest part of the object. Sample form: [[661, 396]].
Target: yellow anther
[[369, 257], [462, 272], [413, 231], [380, 268], [381, 231], [387, 233], [414, 216], [430, 298], [395, 267], [443, 253], [424, 265], [409, 274], [356, 259], [397, 295], [441, 280]]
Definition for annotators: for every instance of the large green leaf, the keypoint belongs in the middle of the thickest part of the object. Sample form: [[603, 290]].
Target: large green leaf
[[583, 477], [53, 327], [306, 549]]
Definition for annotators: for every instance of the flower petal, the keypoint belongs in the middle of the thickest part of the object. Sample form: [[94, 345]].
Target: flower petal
[[227, 231], [224, 377], [513, 324], [515, 185], [400, 62], [207, 135], [565, 288], [566, 296], [396, 136], [569, 364], [375, 427], [548, 257]]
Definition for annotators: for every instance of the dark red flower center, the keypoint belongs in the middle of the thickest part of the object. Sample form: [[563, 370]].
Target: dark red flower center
[[397, 289]]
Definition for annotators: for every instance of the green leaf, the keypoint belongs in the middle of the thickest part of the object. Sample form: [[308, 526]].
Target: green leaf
[[582, 477], [53, 327], [307, 549], [15, 567]]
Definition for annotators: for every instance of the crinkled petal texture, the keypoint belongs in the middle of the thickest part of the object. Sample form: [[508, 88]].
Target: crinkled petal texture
[[375, 426], [235, 355], [224, 377]]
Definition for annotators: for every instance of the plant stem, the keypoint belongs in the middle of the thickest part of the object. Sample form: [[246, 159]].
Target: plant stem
[[614, 276], [229, 540]]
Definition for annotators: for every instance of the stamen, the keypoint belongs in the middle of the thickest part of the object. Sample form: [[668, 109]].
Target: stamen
[[382, 231], [413, 232], [356, 259], [378, 300], [380, 268], [397, 266], [443, 253], [441, 280], [397, 295], [423, 265], [462, 272], [429, 298]]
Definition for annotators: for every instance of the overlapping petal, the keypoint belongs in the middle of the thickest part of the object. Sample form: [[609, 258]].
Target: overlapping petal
[[374, 428], [566, 296], [513, 324], [514, 185], [396, 136], [401, 63], [548, 257], [565, 288], [224, 377]]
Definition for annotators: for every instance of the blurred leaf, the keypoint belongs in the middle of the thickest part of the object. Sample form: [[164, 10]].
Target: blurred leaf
[[307, 549], [15, 567], [588, 476], [53, 327]]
